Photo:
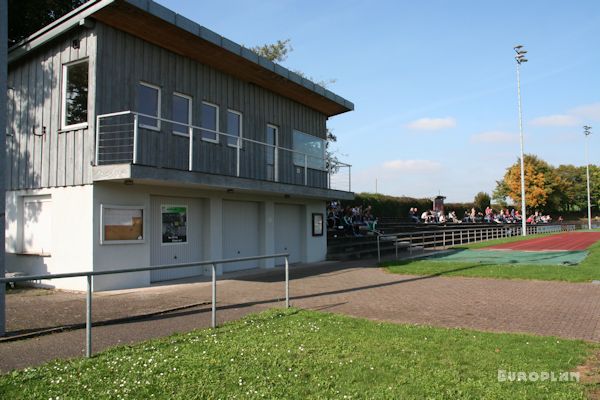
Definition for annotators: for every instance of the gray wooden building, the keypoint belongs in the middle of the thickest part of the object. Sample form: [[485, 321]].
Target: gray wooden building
[[128, 122]]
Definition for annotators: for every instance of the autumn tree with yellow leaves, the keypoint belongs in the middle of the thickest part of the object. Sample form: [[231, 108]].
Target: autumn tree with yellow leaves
[[542, 184]]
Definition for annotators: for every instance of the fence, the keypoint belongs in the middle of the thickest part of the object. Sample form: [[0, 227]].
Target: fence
[[90, 274], [452, 237], [122, 137]]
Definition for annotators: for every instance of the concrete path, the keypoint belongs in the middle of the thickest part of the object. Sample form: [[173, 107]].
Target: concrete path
[[561, 309]]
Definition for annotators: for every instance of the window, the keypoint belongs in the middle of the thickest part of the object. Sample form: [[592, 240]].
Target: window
[[122, 224], [313, 147], [210, 121], [234, 128], [182, 112], [75, 94], [37, 225], [271, 152], [149, 104]]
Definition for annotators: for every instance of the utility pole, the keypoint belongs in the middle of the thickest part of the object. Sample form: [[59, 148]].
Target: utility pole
[[520, 58], [3, 169], [587, 132]]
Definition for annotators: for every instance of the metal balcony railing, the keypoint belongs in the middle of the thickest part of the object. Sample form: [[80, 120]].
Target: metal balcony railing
[[122, 137]]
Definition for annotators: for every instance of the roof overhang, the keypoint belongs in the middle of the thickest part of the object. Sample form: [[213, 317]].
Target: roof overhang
[[160, 26]]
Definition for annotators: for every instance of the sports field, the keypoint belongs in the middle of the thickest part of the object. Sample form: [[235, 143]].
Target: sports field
[[572, 256]]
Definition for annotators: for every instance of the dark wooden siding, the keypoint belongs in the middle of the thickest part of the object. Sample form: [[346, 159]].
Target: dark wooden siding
[[124, 60], [34, 103]]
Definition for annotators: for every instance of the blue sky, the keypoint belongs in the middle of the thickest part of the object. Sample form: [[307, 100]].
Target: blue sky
[[434, 82]]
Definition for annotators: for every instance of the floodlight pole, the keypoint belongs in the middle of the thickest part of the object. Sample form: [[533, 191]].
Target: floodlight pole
[[587, 132], [3, 169], [520, 58]]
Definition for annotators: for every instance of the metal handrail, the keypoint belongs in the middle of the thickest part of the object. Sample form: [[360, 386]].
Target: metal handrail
[[90, 274], [452, 237]]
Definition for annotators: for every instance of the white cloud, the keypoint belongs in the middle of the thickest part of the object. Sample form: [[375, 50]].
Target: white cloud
[[414, 166], [432, 124], [574, 117], [556, 120], [494, 137], [588, 112]]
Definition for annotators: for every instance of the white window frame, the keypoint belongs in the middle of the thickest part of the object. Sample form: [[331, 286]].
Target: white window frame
[[45, 198], [189, 122], [103, 240], [63, 107], [159, 107], [240, 141], [216, 140], [276, 152]]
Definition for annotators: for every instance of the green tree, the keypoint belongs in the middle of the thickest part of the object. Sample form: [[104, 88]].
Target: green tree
[[27, 16], [482, 200], [276, 52]]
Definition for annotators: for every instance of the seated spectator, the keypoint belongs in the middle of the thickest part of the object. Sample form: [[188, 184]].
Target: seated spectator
[[412, 214]]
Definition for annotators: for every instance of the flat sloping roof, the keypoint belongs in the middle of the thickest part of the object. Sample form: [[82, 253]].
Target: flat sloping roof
[[157, 24]]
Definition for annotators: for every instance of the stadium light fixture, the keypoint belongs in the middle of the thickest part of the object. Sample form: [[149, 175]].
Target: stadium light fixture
[[520, 58], [587, 131]]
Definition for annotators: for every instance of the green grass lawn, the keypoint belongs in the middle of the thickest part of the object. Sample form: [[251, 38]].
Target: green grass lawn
[[307, 355], [586, 271]]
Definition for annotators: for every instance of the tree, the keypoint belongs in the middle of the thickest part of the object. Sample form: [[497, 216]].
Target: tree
[[27, 16], [482, 201], [540, 183], [276, 52]]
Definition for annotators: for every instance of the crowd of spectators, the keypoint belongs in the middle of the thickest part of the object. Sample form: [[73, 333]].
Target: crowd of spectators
[[503, 216], [354, 221]]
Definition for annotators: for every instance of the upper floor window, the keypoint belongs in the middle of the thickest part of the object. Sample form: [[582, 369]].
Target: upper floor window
[[75, 94], [234, 128], [271, 152], [309, 149], [210, 121], [182, 112], [149, 104]]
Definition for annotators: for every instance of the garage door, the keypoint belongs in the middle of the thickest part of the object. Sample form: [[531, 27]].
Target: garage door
[[289, 231], [241, 233], [175, 237]]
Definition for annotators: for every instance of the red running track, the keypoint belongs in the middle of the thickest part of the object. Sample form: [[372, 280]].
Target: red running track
[[561, 242]]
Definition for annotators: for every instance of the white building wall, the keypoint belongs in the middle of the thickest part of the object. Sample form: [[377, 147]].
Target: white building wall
[[76, 231], [70, 235]]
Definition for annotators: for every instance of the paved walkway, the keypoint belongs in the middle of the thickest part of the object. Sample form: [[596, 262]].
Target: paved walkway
[[562, 309]]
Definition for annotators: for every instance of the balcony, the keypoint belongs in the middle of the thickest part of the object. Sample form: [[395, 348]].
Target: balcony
[[126, 140]]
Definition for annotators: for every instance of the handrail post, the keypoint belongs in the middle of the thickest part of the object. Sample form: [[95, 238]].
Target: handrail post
[[349, 178], [213, 315], [191, 152], [97, 140], [134, 158], [287, 283], [444, 240], [238, 157], [378, 251], [305, 169], [88, 318]]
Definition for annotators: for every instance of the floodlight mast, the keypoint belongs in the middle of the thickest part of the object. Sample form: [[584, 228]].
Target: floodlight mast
[[587, 131], [520, 58]]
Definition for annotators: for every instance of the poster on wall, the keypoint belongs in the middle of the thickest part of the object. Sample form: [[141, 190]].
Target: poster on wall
[[174, 223], [317, 224], [123, 223]]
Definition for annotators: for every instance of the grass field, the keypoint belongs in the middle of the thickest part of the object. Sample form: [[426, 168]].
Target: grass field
[[302, 354], [586, 271]]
